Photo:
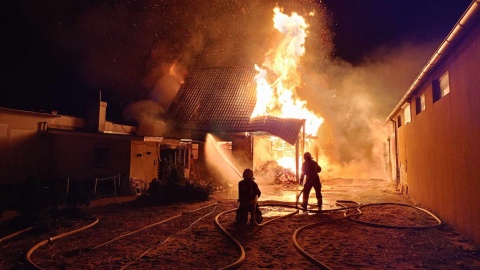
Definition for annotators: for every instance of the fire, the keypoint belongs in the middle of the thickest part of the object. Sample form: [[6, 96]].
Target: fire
[[279, 97], [177, 72], [286, 162]]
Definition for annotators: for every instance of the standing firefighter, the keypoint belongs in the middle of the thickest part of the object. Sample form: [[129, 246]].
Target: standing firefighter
[[248, 193], [310, 169]]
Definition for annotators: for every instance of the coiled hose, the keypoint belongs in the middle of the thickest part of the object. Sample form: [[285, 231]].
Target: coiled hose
[[241, 259], [351, 217], [343, 203]]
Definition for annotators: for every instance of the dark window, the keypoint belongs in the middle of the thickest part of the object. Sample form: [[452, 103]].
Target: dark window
[[441, 87], [420, 104], [100, 156]]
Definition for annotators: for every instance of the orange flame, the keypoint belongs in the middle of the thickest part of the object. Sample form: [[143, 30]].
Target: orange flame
[[279, 98]]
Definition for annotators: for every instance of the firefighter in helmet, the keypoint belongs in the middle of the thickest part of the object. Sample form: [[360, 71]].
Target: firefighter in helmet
[[310, 170], [248, 193]]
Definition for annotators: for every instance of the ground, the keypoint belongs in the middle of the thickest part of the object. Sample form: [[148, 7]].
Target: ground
[[185, 236]]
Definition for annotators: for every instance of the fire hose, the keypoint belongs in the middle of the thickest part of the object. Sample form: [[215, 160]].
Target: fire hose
[[240, 260], [15, 234], [166, 240], [357, 207], [148, 226], [51, 239]]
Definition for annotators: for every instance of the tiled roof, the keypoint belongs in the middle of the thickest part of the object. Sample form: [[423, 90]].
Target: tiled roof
[[222, 99]]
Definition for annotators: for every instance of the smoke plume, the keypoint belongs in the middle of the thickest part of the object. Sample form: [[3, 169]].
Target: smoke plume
[[139, 50], [355, 102], [150, 118]]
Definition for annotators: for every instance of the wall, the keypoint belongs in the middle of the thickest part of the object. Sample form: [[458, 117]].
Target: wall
[[24, 149], [242, 151], [144, 161], [77, 156], [441, 145]]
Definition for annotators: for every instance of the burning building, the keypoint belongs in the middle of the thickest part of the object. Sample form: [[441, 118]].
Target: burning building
[[220, 101], [255, 109]]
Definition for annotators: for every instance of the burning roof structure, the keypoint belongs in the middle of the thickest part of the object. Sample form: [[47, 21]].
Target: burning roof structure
[[222, 100]]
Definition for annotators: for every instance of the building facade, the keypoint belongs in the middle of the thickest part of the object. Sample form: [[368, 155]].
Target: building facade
[[433, 145], [56, 147]]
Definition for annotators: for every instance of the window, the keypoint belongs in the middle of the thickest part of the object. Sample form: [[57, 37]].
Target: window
[[100, 156], [399, 121], [441, 87], [406, 113], [420, 104]]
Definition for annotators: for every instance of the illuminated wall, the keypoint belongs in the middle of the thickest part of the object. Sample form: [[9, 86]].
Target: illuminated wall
[[440, 148]]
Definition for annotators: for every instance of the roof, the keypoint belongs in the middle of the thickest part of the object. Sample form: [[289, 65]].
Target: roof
[[47, 114], [222, 99], [468, 19]]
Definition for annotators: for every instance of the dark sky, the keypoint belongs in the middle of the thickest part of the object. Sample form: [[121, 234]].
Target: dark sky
[[57, 55]]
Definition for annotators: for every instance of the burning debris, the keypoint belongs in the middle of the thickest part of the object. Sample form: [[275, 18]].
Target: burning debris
[[271, 172]]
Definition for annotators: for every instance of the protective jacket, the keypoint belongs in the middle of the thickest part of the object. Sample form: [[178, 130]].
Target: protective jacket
[[247, 190], [310, 169]]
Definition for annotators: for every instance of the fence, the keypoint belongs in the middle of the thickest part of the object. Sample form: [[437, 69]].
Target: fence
[[116, 179]]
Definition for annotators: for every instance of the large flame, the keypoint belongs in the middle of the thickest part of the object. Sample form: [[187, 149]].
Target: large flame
[[278, 97]]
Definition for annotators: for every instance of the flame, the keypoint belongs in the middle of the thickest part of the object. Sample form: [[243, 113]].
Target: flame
[[279, 98], [286, 162], [177, 72]]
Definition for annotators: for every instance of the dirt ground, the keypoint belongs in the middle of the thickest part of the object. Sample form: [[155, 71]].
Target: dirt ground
[[185, 236]]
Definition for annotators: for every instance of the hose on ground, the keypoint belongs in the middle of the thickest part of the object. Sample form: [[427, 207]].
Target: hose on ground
[[302, 251], [240, 260], [148, 226], [439, 222], [15, 234], [352, 217], [31, 250], [51, 239], [168, 238], [338, 202]]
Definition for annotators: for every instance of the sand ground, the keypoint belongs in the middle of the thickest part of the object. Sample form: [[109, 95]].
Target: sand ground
[[184, 236]]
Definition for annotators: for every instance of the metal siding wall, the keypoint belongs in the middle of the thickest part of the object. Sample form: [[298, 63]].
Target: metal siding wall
[[443, 149]]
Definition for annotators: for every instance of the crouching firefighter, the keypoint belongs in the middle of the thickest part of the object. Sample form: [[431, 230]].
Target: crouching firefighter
[[248, 194]]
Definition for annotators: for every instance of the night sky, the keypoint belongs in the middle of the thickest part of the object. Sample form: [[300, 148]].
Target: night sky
[[58, 55]]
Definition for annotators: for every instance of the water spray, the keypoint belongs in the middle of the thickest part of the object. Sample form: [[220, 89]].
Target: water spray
[[211, 138]]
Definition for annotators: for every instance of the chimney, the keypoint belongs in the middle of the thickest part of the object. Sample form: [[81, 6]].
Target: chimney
[[96, 115]]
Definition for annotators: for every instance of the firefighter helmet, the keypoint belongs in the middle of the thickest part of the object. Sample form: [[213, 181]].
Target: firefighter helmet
[[247, 173], [307, 155]]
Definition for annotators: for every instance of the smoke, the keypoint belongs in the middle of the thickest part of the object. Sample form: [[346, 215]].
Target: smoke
[[150, 118], [355, 102], [138, 50], [353, 99]]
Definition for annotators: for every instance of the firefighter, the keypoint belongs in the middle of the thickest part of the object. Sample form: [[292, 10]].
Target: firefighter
[[248, 193], [310, 170]]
